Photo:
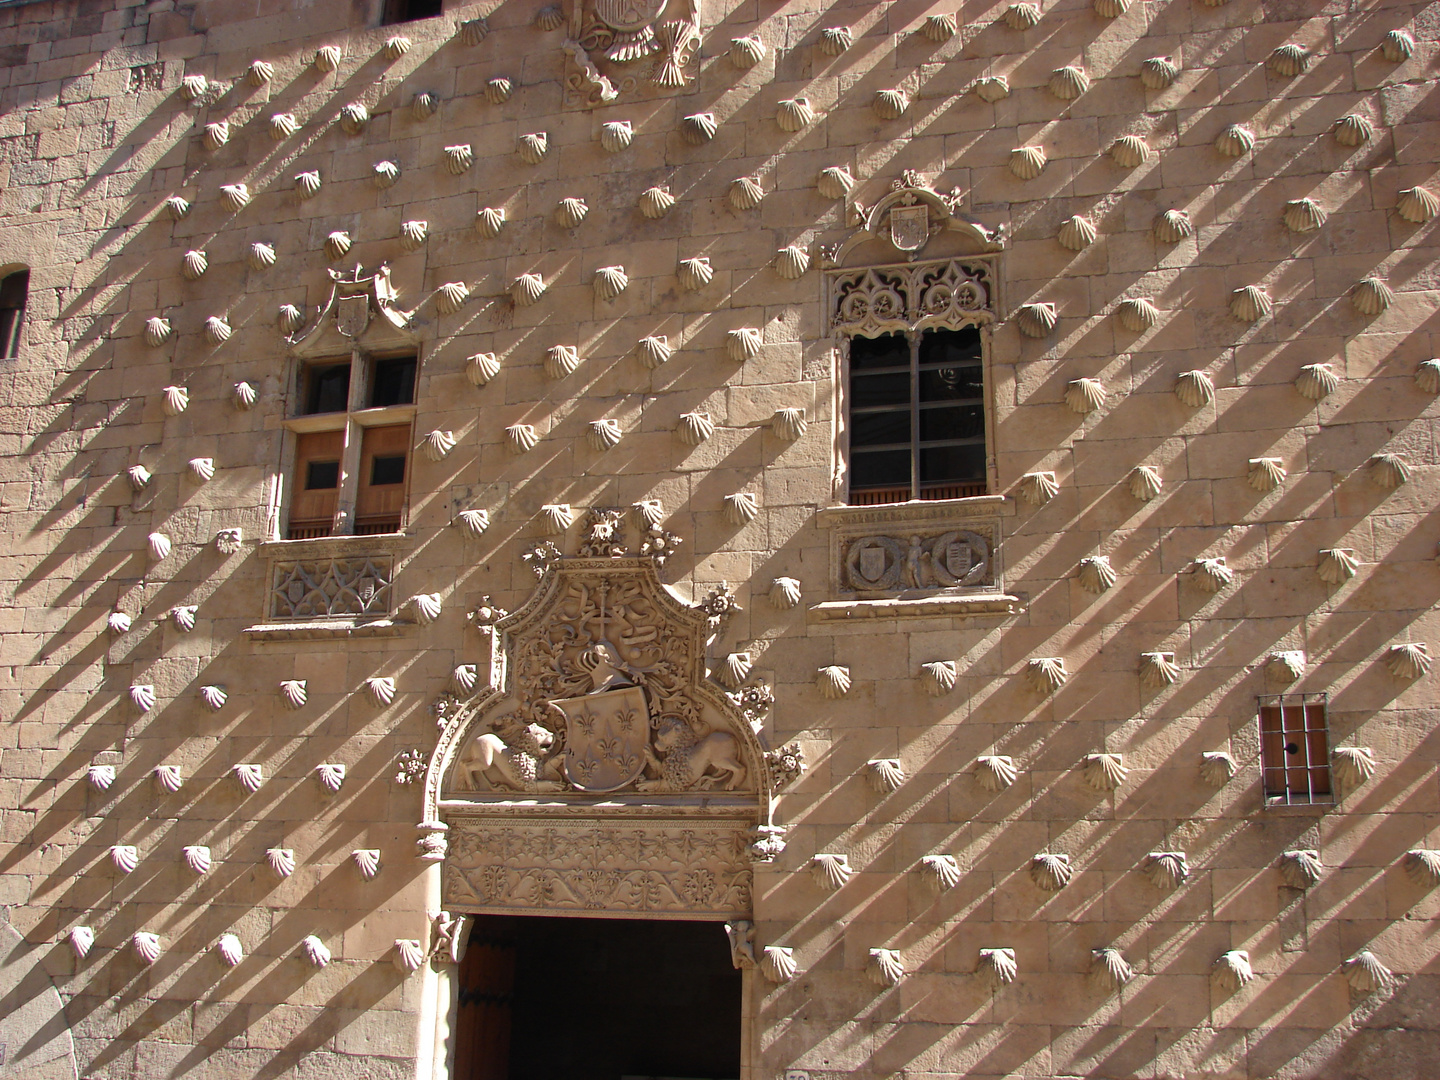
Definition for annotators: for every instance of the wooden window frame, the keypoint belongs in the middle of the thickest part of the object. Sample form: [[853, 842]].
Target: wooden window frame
[[1306, 780]]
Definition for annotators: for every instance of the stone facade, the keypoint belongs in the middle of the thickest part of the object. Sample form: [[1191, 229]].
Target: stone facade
[[253, 784]]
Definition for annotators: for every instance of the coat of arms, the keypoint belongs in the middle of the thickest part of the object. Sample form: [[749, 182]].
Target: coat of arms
[[352, 314], [909, 226], [606, 738]]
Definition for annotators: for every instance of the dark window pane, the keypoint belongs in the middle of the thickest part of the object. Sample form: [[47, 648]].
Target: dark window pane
[[322, 475], [387, 470], [883, 468], [398, 11], [14, 289], [879, 429], [950, 347], [940, 463], [950, 383], [956, 422], [891, 350], [880, 390], [393, 382], [328, 389]]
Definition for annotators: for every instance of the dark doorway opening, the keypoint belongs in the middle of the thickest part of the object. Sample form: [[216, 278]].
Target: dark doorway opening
[[597, 999]]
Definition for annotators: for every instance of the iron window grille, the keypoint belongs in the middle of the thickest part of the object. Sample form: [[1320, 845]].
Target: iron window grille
[[1295, 749]]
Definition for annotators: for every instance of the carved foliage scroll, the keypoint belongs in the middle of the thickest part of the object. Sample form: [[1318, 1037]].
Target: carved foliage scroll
[[944, 295]]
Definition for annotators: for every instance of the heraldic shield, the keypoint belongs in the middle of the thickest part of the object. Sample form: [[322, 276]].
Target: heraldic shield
[[606, 737]]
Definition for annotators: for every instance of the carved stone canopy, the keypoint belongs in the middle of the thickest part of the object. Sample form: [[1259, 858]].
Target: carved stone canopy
[[360, 313]]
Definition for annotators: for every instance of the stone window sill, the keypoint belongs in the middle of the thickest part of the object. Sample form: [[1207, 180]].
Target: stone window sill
[[326, 629], [336, 547], [925, 607]]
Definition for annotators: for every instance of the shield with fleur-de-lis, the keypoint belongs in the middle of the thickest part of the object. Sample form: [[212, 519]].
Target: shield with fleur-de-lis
[[605, 738]]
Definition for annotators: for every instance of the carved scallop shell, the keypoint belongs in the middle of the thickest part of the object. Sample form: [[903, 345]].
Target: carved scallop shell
[[413, 234], [289, 319], [217, 330], [1111, 9], [549, 18], [1408, 660], [699, 128], [651, 512], [1085, 395], [830, 870], [939, 677], [1137, 314], [1289, 60], [744, 344], [1417, 205], [315, 951], [490, 220], [427, 607], [1145, 483], [183, 617], [833, 682], [616, 135], [354, 117], [1315, 381], [337, 244], [498, 90], [1303, 215], [1109, 968], [395, 47], [656, 202], [941, 871], [1353, 130], [193, 87], [1077, 233], [1105, 772], [179, 208], [1129, 151], [741, 507], [746, 52], [604, 434], [1027, 162], [1232, 970], [746, 193], [1266, 473], [451, 297], [139, 480], [214, 697], [146, 946], [481, 367], [458, 158], [438, 444], [1337, 565], [1038, 488], [1095, 574], [249, 776], [1036, 320], [788, 424], [991, 88], [243, 396], [1250, 303], [1365, 973], [125, 857], [307, 184], [119, 622], [732, 671], [997, 966], [1235, 141], [142, 696], [695, 273], [193, 265], [1167, 870], [1397, 46], [886, 967], [995, 772], [282, 126], [885, 775], [794, 114], [784, 593], [1051, 871], [792, 261], [1046, 674], [561, 360], [281, 860], [556, 517], [532, 147], [1069, 82], [695, 427], [834, 182], [229, 950], [834, 40], [82, 939], [1423, 866], [1372, 296], [521, 437], [1217, 767], [465, 678], [235, 197], [1213, 574], [294, 692], [1389, 471], [1301, 868], [216, 135], [1353, 765], [424, 105], [327, 58], [158, 545], [1159, 669], [778, 963], [1158, 72], [1172, 226], [262, 255], [654, 350], [367, 861], [1427, 376], [101, 777], [1022, 16], [610, 282], [890, 104], [473, 522], [197, 858], [571, 212]]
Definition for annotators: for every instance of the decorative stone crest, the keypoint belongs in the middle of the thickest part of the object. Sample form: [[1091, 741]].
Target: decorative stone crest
[[620, 47], [356, 298], [912, 214]]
